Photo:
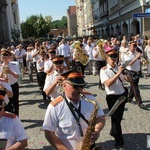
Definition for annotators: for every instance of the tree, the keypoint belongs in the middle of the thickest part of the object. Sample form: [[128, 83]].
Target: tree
[[64, 22], [36, 26], [60, 24]]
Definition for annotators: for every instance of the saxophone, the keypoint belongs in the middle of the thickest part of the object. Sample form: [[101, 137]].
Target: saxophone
[[91, 126]]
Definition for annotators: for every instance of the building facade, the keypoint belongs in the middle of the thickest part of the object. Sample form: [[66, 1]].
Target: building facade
[[115, 17], [105, 18], [84, 17], [72, 21], [9, 21]]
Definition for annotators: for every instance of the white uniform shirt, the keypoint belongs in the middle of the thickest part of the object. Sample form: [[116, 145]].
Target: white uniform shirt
[[29, 56], [8, 87], [49, 81], [47, 65], [14, 67], [116, 88], [60, 120], [36, 58], [64, 50], [40, 65], [89, 50], [20, 53], [136, 65], [13, 130]]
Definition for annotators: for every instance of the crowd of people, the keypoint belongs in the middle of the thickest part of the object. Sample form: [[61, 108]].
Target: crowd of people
[[60, 72]]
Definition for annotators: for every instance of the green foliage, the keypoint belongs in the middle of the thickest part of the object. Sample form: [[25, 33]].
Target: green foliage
[[36, 26], [39, 26]]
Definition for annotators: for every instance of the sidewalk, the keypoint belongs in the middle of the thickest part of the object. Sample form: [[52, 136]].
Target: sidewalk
[[135, 124]]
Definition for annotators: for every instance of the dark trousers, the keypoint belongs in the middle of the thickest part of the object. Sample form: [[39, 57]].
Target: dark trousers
[[42, 76], [98, 65], [37, 77], [116, 130], [135, 82], [80, 66], [15, 99]]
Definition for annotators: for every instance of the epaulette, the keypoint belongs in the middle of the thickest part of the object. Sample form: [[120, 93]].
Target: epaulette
[[9, 114], [105, 67], [87, 93], [56, 101], [50, 73]]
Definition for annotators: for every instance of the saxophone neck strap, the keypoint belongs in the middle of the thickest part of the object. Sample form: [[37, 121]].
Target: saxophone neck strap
[[73, 109]]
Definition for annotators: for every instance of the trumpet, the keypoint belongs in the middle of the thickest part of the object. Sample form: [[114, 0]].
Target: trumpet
[[60, 90]]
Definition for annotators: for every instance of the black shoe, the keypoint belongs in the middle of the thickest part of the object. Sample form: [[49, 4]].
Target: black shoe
[[142, 106]]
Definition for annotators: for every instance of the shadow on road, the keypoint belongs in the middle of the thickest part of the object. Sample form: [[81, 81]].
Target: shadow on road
[[29, 102], [137, 141], [33, 123]]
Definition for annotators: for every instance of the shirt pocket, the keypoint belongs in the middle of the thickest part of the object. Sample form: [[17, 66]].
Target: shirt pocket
[[66, 127]]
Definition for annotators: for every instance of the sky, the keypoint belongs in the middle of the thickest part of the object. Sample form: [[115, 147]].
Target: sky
[[55, 8]]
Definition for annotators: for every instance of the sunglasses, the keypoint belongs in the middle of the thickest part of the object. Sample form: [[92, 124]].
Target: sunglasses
[[53, 52], [76, 86], [113, 56], [57, 63]]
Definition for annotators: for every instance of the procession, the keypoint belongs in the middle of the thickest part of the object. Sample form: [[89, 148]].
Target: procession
[[75, 76], [59, 72]]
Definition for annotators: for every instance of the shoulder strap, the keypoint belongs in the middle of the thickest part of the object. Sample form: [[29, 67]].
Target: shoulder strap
[[19, 53], [118, 77]]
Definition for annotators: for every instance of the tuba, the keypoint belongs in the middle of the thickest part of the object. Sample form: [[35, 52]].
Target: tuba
[[81, 55], [102, 52]]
